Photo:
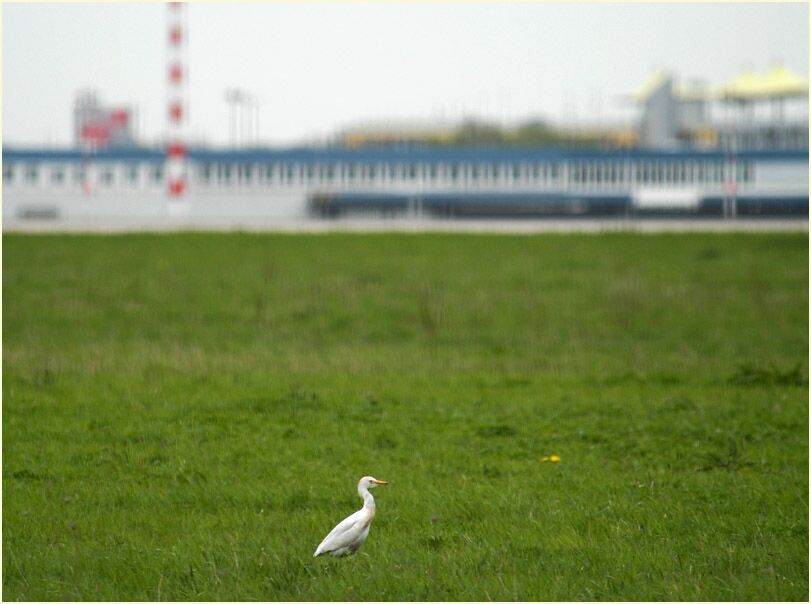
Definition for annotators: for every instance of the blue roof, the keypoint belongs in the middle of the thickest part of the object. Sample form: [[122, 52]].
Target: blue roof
[[77, 155], [390, 154]]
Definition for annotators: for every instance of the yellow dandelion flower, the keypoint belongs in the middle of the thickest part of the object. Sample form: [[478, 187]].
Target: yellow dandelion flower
[[554, 458], [545, 458]]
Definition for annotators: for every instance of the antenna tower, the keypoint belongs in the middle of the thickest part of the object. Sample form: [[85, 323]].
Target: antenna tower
[[177, 74]]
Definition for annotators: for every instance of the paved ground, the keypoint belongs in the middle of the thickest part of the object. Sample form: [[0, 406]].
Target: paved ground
[[583, 225]]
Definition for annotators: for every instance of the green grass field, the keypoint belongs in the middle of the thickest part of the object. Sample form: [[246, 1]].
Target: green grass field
[[185, 416]]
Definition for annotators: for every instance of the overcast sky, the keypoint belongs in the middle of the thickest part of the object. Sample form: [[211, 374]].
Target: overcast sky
[[317, 67]]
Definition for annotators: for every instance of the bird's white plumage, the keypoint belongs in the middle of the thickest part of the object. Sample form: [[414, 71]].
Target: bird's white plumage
[[349, 534], [347, 537]]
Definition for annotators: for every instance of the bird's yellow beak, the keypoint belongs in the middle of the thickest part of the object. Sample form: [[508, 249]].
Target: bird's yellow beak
[[380, 481]]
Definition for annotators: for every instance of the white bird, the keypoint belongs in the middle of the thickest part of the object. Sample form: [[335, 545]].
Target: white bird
[[352, 531]]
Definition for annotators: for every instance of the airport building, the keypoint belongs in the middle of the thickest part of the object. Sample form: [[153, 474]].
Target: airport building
[[263, 187], [750, 112], [696, 156]]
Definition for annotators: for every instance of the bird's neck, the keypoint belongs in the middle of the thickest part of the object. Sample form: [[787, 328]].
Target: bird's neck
[[368, 500]]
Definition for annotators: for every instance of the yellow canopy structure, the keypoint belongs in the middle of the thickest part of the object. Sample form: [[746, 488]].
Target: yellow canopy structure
[[656, 79], [680, 91], [780, 82]]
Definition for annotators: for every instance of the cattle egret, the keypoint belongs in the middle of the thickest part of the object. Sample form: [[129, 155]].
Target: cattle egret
[[352, 531]]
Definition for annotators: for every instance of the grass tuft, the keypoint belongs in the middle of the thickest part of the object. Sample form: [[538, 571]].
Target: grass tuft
[[749, 375]]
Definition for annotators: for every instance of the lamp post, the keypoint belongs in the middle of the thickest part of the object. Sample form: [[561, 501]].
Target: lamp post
[[235, 99]]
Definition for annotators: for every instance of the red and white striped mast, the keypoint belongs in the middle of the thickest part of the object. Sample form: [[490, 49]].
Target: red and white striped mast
[[178, 108]]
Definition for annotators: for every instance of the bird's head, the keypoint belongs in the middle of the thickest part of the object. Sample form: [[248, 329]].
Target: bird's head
[[369, 482]]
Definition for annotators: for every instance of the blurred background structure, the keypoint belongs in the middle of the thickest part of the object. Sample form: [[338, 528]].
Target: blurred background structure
[[686, 148], [96, 126], [751, 111]]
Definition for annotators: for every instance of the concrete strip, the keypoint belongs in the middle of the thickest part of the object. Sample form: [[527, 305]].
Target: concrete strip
[[524, 227]]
